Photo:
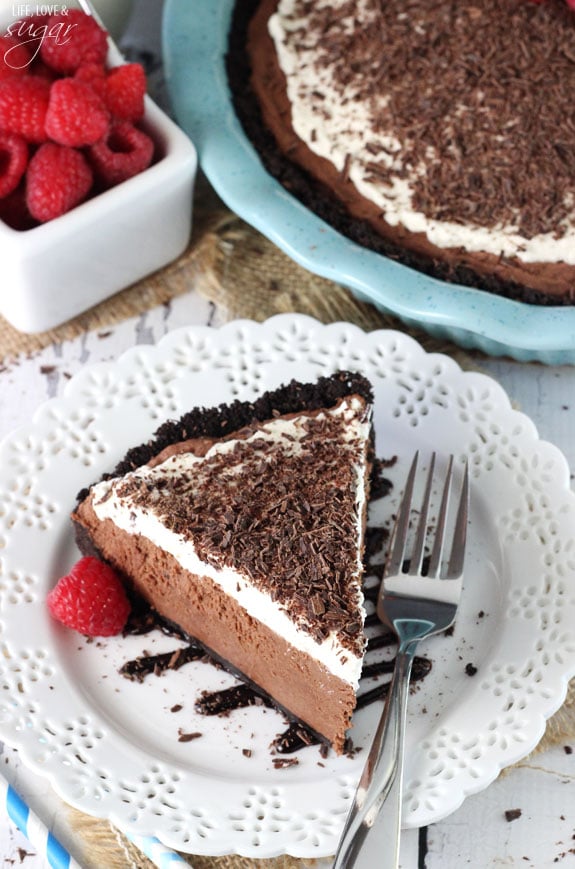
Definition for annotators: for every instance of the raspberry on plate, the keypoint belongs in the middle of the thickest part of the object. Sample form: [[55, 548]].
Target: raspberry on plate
[[76, 115], [90, 599], [58, 179]]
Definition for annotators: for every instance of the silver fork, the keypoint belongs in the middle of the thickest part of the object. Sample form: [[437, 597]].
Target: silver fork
[[417, 598]]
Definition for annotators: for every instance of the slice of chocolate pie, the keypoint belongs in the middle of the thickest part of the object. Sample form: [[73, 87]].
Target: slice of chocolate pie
[[244, 525]]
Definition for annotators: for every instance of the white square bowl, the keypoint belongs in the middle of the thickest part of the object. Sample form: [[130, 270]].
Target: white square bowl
[[61, 268]]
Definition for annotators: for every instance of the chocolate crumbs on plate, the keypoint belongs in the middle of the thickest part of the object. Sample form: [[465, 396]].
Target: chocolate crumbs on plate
[[188, 737]]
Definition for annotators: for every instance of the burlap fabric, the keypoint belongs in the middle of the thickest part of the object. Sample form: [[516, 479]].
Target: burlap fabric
[[245, 275], [237, 268]]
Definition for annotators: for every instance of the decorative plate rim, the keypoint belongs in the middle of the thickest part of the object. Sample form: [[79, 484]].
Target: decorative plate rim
[[46, 710], [202, 104]]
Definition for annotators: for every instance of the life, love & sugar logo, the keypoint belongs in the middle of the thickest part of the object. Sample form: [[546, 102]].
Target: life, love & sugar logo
[[30, 30]]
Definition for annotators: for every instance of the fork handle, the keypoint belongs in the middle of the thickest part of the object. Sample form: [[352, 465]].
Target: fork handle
[[381, 782]]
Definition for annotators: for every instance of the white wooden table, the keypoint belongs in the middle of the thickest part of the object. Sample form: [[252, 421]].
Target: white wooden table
[[478, 834]]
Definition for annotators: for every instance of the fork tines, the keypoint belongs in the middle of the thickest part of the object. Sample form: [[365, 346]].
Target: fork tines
[[398, 562]]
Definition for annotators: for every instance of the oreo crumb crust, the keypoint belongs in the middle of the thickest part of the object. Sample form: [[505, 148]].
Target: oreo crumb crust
[[217, 422]]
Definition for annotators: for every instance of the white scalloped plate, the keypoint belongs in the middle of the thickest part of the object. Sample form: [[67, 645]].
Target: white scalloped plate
[[110, 747]]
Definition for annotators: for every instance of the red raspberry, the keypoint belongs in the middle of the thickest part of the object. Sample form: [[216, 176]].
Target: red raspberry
[[94, 75], [30, 29], [40, 70], [14, 211], [125, 90], [90, 599], [23, 107], [76, 115], [73, 38], [13, 162], [125, 152], [15, 58], [58, 179], [29, 32]]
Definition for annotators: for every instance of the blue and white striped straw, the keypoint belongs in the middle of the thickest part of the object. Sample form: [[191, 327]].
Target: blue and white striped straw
[[158, 854], [36, 831], [57, 856]]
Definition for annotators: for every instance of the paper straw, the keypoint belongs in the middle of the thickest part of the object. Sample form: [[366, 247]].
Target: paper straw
[[36, 831], [159, 854], [57, 856]]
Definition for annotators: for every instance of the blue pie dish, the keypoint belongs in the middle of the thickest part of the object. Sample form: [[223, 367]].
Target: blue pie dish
[[194, 45]]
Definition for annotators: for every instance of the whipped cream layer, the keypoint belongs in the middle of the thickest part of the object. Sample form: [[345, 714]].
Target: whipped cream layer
[[350, 128], [279, 439]]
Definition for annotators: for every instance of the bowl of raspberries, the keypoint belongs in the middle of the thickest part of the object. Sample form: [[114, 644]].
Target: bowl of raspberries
[[96, 182]]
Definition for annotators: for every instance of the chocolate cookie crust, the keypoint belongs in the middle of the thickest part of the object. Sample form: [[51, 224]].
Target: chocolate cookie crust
[[217, 422]]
